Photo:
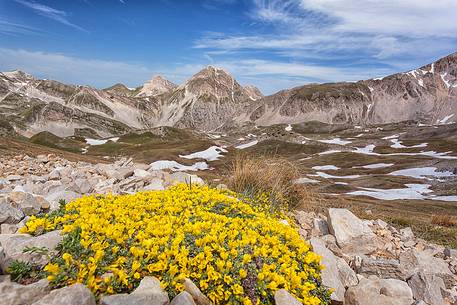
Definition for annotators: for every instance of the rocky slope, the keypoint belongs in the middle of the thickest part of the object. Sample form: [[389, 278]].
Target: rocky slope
[[368, 262], [427, 94], [213, 100]]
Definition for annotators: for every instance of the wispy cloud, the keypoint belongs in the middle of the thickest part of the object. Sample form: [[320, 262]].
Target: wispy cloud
[[11, 28], [389, 33], [51, 13]]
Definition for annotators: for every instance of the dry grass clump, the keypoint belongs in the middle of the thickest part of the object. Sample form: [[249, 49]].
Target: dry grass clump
[[444, 220], [270, 177]]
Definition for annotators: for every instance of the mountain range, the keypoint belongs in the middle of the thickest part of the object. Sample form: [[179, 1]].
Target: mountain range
[[213, 100]]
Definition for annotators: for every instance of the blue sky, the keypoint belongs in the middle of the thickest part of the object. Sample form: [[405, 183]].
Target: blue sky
[[271, 44]]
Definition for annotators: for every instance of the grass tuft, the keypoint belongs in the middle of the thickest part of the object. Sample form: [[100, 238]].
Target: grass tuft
[[444, 220], [253, 176]]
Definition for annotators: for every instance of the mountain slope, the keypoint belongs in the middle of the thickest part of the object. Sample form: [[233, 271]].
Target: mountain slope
[[428, 94], [213, 100]]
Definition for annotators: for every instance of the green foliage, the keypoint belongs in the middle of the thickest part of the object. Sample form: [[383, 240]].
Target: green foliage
[[20, 270]]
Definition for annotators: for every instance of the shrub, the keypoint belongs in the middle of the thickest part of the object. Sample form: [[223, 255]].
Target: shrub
[[235, 253], [273, 177]]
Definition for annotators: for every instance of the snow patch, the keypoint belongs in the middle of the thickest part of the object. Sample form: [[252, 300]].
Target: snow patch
[[246, 145], [326, 167], [412, 191], [211, 154], [328, 176], [288, 128], [175, 166], [422, 173], [377, 165], [336, 141]]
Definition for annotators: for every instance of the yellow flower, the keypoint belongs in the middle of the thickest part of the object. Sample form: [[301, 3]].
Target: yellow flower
[[243, 273], [210, 236], [52, 268], [67, 258]]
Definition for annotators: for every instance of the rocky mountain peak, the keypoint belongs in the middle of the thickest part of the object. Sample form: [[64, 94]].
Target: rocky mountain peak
[[156, 86], [253, 92], [18, 76], [213, 81]]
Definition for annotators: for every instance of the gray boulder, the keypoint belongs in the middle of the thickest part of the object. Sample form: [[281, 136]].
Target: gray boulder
[[283, 297], [14, 244], [76, 294], [9, 214], [54, 197], [184, 298], [25, 202], [427, 287], [375, 291], [155, 184], [352, 235], [181, 177], [413, 261], [337, 273], [148, 292], [196, 294], [16, 294]]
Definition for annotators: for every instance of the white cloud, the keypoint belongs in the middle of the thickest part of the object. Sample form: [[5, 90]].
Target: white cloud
[[51, 13], [270, 76], [372, 29], [394, 17]]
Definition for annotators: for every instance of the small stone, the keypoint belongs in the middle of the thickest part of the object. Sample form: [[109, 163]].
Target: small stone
[[76, 294], [448, 252], [406, 234], [26, 202], [181, 177], [155, 184], [184, 298], [283, 297]]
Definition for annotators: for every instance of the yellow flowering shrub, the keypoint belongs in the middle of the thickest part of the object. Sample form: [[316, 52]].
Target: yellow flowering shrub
[[234, 252]]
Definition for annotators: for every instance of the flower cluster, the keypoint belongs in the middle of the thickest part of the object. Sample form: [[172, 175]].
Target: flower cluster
[[234, 252]]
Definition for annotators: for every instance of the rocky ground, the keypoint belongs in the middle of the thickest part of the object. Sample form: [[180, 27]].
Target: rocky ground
[[367, 261]]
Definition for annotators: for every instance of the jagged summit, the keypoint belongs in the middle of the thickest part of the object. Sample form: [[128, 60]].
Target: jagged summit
[[18, 75], [156, 86], [253, 92]]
